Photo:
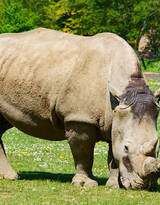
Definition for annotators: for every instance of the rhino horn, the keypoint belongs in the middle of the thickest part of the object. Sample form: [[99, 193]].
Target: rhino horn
[[152, 167], [149, 147]]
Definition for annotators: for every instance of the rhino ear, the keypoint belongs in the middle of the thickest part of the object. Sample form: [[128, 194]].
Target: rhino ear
[[115, 93], [157, 96]]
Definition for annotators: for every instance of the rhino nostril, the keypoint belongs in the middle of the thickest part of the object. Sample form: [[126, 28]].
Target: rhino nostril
[[126, 148]]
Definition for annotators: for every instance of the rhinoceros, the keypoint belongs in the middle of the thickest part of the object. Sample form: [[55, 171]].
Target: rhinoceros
[[59, 86]]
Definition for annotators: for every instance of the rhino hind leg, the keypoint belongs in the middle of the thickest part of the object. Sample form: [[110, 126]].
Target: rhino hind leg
[[81, 138], [113, 170], [6, 171]]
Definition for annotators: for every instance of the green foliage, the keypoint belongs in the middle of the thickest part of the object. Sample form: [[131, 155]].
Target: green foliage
[[151, 65], [78, 17], [147, 20], [15, 18], [37, 7], [129, 19]]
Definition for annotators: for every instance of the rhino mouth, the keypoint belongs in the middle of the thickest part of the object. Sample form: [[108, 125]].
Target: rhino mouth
[[147, 180], [132, 182]]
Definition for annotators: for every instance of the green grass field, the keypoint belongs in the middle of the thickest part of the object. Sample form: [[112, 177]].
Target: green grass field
[[151, 65], [46, 168]]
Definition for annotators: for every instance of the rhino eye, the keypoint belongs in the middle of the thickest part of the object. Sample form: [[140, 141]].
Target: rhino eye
[[126, 148]]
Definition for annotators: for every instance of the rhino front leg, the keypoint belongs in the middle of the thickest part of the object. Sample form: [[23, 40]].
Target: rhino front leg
[[6, 172], [81, 138], [113, 170]]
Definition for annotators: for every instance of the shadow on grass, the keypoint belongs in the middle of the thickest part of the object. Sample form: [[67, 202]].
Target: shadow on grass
[[158, 189], [64, 178], [53, 177]]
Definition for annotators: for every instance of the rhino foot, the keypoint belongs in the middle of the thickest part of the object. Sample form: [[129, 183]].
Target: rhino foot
[[112, 182], [9, 175], [83, 180]]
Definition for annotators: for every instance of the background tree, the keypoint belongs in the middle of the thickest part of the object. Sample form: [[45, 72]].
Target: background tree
[[83, 17], [129, 19], [15, 18]]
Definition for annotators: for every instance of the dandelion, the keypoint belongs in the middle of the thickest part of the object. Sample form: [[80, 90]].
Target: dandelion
[[23, 152], [105, 166], [61, 157], [150, 81]]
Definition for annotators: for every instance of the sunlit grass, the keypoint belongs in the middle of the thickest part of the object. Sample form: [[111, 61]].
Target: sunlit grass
[[151, 66], [46, 169]]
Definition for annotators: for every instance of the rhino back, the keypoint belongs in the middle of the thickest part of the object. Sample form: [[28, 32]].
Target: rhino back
[[33, 68]]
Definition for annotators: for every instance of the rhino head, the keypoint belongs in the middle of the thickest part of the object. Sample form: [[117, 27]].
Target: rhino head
[[134, 137]]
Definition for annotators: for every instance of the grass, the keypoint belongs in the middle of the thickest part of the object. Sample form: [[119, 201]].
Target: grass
[[46, 168], [151, 65]]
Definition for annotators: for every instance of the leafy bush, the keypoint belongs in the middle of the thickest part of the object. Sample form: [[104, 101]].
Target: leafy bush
[[15, 18], [81, 17], [129, 19]]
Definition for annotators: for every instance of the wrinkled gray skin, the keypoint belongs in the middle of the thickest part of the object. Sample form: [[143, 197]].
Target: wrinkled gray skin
[[59, 86]]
